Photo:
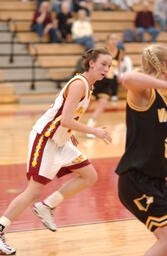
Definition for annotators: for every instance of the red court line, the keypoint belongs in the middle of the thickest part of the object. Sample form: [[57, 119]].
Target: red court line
[[97, 204]]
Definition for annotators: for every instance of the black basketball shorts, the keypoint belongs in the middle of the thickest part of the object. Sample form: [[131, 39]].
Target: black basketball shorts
[[145, 197]]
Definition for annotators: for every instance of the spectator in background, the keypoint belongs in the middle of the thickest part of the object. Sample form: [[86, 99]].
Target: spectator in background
[[106, 89], [65, 20], [43, 23], [131, 3], [56, 5], [144, 23], [39, 2], [104, 5], [160, 13], [80, 4], [113, 77], [126, 62], [82, 32], [120, 4]]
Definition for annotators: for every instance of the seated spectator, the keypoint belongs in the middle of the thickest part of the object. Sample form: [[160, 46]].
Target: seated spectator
[[82, 32], [120, 4], [56, 5], [104, 5], [160, 13], [113, 77], [43, 23], [65, 20], [144, 23], [131, 3], [82, 4], [126, 63], [39, 2]]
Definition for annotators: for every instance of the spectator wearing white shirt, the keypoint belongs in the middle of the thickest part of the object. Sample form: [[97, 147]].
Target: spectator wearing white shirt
[[160, 13], [82, 32], [126, 63]]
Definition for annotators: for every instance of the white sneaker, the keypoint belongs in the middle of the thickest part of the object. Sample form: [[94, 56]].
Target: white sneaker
[[44, 212], [5, 249]]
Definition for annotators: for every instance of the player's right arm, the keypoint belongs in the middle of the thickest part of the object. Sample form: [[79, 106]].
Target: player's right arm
[[139, 86], [75, 93]]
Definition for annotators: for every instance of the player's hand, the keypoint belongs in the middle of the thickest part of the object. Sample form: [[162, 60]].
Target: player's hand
[[103, 134], [74, 140]]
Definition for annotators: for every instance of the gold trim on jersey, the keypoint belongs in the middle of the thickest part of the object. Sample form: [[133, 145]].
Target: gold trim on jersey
[[143, 202], [37, 149], [80, 111], [163, 97], [52, 126], [142, 109], [65, 91], [156, 221]]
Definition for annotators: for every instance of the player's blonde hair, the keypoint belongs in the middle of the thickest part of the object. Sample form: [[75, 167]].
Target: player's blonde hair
[[153, 59]]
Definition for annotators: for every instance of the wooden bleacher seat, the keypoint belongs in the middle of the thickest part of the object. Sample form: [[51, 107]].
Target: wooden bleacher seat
[[111, 26], [61, 59], [56, 49], [30, 37], [112, 16], [17, 6], [136, 48], [61, 74], [21, 26], [7, 93], [58, 61], [16, 15]]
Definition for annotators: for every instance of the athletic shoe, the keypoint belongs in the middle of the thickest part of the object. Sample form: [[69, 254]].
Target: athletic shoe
[[5, 249], [44, 212]]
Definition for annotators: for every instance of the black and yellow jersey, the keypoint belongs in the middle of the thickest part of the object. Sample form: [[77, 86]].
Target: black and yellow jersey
[[146, 138]]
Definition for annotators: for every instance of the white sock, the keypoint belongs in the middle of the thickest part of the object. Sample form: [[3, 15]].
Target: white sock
[[5, 222], [54, 199]]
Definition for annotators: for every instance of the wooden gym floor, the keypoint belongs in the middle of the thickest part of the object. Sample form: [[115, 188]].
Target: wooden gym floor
[[92, 223]]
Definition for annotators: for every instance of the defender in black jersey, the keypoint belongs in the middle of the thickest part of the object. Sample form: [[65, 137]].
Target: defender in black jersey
[[142, 169]]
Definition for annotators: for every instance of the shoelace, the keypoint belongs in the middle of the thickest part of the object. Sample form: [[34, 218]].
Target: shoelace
[[4, 242]]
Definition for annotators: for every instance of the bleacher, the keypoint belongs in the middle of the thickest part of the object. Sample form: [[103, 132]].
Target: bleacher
[[59, 60]]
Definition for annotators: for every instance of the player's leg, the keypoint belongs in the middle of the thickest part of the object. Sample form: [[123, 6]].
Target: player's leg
[[160, 246], [15, 208], [31, 193], [86, 177]]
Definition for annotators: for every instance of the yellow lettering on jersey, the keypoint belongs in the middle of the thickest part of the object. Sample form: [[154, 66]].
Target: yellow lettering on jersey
[[80, 111], [162, 115], [79, 159]]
